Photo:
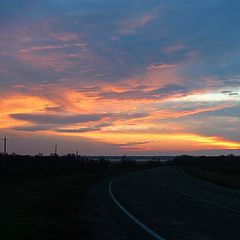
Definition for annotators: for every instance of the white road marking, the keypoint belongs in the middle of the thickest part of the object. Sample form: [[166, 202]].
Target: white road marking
[[197, 198], [137, 221], [184, 173]]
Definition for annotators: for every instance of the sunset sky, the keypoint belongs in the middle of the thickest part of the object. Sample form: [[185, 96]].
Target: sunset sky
[[107, 77]]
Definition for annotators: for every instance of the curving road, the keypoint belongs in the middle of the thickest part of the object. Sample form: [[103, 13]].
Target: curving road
[[165, 203]]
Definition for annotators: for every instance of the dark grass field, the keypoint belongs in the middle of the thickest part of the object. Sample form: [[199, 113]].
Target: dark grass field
[[49, 208], [229, 177]]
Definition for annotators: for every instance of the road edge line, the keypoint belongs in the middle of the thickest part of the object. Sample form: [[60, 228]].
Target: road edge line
[[137, 221]]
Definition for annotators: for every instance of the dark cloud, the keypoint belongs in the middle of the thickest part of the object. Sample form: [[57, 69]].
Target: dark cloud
[[32, 128], [225, 112], [59, 122], [57, 127], [129, 115], [230, 93], [132, 144], [169, 89], [36, 128], [58, 118], [96, 127], [79, 130], [55, 109]]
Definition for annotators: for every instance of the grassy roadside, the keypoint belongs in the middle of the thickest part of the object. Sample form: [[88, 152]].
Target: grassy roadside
[[228, 179], [49, 208]]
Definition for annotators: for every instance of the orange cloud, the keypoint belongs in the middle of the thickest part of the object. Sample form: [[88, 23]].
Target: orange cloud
[[18, 103], [181, 113]]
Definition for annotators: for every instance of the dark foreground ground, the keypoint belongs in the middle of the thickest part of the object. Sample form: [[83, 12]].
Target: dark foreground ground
[[167, 201], [47, 208], [90, 202]]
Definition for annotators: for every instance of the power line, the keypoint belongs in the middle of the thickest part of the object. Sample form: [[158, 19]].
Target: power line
[[55, 149], [5, 145]]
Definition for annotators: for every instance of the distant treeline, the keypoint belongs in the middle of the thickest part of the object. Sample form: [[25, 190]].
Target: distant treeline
[[229, 163], [25, 164]]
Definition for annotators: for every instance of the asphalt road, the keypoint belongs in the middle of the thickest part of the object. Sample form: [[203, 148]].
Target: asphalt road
[[164, 203]]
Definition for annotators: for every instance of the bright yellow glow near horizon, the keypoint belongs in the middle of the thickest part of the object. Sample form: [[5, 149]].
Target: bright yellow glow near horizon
[[173, 142]]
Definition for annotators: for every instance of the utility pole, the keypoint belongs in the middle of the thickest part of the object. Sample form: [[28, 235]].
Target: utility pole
[[5, 145], [55, 150]]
